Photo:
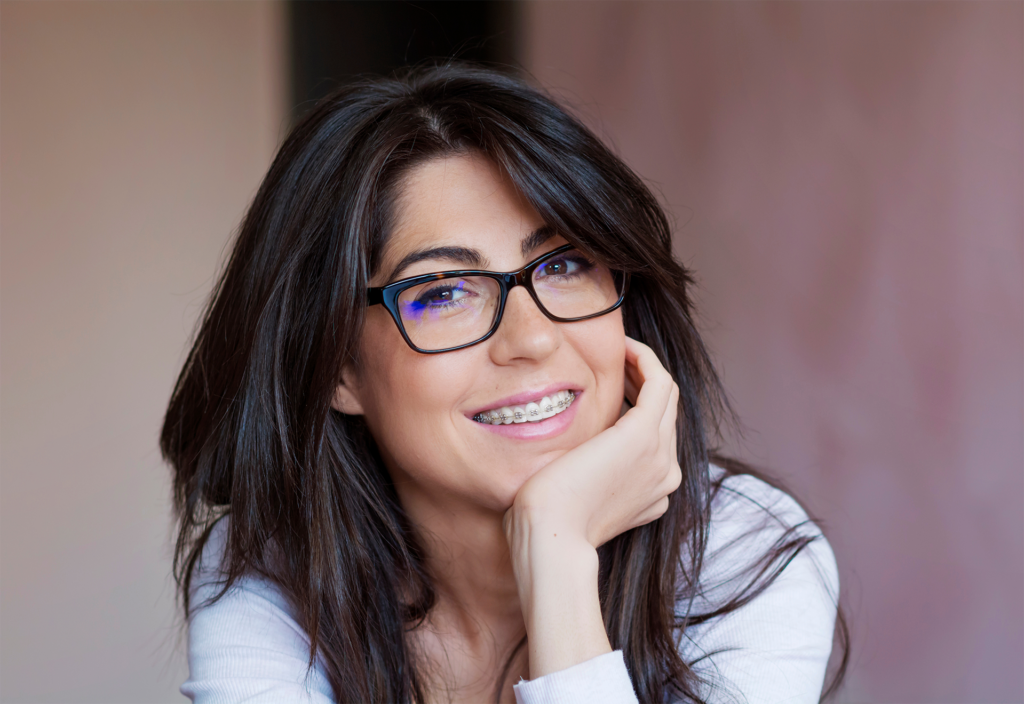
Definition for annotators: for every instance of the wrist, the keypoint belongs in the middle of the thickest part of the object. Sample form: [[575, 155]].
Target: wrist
[[561, 555], [547, 516], [562, 611], [556, 572], [543, 543]]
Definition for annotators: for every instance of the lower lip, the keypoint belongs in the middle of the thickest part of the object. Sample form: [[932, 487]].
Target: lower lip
[[547, 428]]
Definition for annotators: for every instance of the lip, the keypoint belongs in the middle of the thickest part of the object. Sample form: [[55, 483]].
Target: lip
[[538, 430], [527, 396]]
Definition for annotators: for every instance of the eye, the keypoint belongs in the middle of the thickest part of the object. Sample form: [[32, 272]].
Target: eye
[[565, 266], [442, 295]]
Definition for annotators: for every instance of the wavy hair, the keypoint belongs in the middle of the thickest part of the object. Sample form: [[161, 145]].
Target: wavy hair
[[250, 431]]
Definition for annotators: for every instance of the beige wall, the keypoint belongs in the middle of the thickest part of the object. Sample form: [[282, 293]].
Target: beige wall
[[847, 182], [132, 136]]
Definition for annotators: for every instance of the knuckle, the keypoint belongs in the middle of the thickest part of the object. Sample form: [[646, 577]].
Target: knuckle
[[677, 478], [670, 483], [661, 507]]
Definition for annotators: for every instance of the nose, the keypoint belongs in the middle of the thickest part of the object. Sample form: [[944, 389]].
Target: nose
[[524, 333]]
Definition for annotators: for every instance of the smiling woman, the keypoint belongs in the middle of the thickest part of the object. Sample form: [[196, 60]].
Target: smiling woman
[[444, 433]]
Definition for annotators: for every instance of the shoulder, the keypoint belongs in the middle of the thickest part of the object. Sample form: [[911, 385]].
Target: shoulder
[[763, 617], [245, 644], [207, 595], [751, 519]]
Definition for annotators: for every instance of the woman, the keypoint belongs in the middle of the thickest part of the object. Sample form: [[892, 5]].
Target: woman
[[444, 432]]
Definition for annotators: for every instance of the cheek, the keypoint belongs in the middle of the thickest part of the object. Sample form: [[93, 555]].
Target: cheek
[[400, 381], [409, 398], [601, 343]]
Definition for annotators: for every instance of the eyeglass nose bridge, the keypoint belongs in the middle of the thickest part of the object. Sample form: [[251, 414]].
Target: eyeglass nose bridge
[[523, 278], [517, 278]]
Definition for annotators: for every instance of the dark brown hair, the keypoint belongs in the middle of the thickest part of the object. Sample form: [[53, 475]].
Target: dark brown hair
[[250, 430]]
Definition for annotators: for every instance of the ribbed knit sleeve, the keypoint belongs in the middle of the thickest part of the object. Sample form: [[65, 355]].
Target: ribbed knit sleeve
[[600, 680]]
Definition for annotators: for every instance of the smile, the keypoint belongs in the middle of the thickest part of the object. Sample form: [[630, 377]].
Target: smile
[[532, 412]]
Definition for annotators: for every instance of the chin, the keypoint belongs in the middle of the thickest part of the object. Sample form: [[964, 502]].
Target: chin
[[519, 474]]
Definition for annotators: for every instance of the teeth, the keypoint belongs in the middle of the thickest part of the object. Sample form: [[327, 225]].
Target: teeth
[[532, 412]]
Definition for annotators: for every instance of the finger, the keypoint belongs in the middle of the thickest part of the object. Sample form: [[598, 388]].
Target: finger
[[633, 379], [656, 382], [631, 389], [675, 476], [661, 507], [674, 445], [675, 426], [673, 480], [506, 524], [668, 420], [653, 512]]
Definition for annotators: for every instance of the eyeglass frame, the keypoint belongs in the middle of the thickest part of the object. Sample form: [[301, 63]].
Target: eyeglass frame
[[388, 295]]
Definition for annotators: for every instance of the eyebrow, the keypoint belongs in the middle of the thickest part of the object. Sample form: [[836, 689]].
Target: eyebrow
[[467, 255]]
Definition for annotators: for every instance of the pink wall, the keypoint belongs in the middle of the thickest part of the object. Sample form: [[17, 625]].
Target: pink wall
[[848, 179], [848, 182], [132, 136]]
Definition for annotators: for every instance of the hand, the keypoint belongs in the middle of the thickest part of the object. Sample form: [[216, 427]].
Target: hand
[[622, 477], [617, 480]]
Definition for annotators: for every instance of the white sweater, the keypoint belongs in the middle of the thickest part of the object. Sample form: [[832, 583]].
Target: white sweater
[[247, 647]]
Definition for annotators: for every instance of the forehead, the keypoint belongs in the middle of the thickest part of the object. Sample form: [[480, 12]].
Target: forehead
[[464, 202]]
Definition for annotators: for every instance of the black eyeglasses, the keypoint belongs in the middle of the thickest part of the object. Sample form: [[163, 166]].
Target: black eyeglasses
[[450, 310]]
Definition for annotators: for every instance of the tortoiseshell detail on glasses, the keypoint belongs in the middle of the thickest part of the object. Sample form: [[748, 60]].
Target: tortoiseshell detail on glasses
[[388, 295]]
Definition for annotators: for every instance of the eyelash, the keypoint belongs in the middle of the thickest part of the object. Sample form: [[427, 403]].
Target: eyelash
[[424, 298], [582, 262]]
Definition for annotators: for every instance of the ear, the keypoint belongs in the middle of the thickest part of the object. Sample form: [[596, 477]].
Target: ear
[[346, 399]]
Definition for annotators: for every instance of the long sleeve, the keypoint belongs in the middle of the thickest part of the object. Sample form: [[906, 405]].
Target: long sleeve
[[246, 646], [600, 680]]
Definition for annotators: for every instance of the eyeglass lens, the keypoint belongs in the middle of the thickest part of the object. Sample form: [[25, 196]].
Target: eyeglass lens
[[460, 310]]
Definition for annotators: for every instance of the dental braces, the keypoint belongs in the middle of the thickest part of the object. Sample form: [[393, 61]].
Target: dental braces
[[490, 416]]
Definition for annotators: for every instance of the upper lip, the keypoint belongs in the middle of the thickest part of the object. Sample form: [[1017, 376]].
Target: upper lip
[[527, 396]]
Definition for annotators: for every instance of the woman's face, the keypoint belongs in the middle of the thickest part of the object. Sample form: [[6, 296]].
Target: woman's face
[[420, 407]]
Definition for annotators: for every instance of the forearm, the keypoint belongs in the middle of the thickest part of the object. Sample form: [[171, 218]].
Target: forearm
[[556, 573]]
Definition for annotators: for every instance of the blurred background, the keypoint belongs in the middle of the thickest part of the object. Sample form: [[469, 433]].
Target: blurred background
[[846, 180]]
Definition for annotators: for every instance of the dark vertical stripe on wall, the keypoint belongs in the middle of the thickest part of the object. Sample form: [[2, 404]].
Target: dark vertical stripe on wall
[[334, 41]]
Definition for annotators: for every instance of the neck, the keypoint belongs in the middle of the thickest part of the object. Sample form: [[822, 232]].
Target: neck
[[468, 558], [477, 620]]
